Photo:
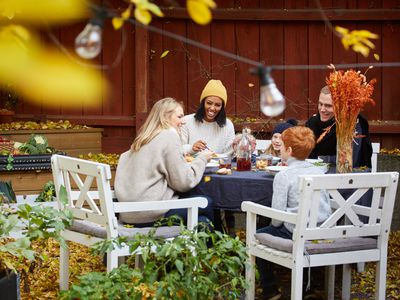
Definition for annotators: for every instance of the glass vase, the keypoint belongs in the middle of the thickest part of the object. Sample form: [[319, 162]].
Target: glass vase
[[344, 153]]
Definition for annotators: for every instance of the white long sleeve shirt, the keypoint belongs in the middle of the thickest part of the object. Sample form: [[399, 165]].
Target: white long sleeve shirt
[[218, 139]]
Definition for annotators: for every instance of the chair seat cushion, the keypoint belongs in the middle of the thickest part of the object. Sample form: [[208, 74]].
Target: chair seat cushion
[[93, 229], [318, 246]]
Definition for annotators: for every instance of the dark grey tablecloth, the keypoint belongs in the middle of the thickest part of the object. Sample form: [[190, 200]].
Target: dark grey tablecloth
[[229, 191]]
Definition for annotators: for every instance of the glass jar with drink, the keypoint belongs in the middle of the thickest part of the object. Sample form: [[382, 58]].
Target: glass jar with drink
[[243, 152], [225, 161]]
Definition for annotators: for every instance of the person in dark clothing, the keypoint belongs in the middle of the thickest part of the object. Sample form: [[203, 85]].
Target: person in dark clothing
[[324, 127]]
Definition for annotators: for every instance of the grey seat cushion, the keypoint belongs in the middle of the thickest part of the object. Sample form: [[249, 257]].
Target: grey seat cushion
[[93, 229], [318, 246]]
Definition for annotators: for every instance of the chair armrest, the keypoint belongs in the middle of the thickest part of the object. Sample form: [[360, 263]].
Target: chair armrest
[[194, 202], [269, 212]]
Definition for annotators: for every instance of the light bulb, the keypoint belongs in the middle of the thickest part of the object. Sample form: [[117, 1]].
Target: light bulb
[[88, 42], [272, 102]]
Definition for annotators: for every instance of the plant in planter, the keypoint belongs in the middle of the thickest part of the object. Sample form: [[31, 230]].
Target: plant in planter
[[194, 265], [48, 193], [9, 100]]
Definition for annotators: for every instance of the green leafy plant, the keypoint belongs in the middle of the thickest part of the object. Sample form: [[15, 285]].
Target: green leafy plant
[[48, 193], [194, 265], [33, 223], [10, 162], [37, 144]]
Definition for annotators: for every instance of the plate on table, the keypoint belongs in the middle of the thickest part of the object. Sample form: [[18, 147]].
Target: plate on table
[[323, 166], [217, 156], [275, 169], [314, 160], [212, 164]]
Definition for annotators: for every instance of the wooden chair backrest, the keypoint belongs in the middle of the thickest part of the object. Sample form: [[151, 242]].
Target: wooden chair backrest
[[88, 189], [262, 144], [376, 148], [345, 190]]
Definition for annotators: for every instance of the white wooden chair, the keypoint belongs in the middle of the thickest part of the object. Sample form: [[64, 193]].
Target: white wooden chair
[[262, 145], [329, 243], [90, 199], [376, 147]]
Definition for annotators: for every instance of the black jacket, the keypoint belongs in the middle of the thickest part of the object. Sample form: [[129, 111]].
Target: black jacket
[[327, 146]]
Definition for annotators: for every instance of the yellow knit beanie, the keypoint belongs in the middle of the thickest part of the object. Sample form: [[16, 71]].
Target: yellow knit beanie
[[214, 88]]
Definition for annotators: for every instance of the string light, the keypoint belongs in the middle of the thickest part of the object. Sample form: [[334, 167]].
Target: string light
[[272, 102], [88, 43]]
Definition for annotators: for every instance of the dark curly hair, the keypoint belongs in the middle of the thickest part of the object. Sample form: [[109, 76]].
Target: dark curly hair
[[201, 112]]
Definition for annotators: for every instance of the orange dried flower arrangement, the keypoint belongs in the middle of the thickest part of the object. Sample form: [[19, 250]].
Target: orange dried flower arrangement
[[350, 92]]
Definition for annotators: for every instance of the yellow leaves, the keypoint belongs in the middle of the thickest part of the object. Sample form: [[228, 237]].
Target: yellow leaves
[[199, 10], [54, 79], [358, 40], [376, 56], [164, 54], [143, 11], [118, 22], [50, 11], [43, 74], [143, 16]]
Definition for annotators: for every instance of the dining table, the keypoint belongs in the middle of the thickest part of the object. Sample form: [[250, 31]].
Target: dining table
[[230, 190]]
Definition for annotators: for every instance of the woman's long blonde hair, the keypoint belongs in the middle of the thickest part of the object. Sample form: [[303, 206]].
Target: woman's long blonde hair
[[158, 119]]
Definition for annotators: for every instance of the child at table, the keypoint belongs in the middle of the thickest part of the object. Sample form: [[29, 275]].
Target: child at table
[[297, 143], [274, 148]]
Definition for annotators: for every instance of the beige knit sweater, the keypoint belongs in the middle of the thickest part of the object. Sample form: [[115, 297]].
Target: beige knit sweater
[[155, 172]]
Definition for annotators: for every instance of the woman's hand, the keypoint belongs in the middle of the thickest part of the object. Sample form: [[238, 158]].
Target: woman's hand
[[199, 146]]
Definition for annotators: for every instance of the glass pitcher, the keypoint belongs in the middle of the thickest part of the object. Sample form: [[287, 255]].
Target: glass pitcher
[[243, 152]]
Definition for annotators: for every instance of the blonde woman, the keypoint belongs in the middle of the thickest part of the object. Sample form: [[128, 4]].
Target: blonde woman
[[155, 169]]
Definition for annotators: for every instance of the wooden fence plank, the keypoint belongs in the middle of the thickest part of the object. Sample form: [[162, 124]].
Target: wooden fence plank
[[156, 81], [198, 64], [175, 68]]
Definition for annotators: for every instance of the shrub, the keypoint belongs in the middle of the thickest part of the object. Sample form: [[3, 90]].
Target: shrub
[[194, 265]]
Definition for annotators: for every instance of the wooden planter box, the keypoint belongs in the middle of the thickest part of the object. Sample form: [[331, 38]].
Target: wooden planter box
[[72, 141], [391, 163], [31, 182]]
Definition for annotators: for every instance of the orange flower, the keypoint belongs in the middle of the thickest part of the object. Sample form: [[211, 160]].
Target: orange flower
[[350, 92]]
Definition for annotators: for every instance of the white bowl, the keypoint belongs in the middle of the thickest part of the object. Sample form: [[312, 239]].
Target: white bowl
[[275, 169], [314, 160]]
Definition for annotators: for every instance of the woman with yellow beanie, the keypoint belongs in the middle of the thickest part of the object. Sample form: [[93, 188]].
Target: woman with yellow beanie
[[209, 127]]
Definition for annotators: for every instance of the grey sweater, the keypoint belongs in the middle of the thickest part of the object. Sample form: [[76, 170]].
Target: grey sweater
[[156, 172], [286, 191]]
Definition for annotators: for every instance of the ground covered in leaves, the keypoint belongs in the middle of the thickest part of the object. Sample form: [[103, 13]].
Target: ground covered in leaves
[[42, 280]]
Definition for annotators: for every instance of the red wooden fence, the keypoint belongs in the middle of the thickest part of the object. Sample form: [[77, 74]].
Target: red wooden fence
[[276, 32]]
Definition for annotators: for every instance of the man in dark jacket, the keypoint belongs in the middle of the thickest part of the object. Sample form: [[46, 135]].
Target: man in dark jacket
[[324, 127]]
